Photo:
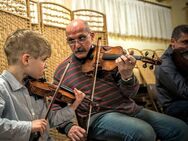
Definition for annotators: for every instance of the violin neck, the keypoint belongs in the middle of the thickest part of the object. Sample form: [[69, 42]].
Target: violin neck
[[67, 89], [115, 56]]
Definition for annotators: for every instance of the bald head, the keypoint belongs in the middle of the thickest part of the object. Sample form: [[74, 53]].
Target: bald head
[[79, 38], [77, 25]]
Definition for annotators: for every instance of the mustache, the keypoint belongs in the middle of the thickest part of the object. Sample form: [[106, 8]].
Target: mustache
[[79, 50]]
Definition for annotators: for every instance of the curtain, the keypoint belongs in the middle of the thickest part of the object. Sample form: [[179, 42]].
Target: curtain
[[131, 17]]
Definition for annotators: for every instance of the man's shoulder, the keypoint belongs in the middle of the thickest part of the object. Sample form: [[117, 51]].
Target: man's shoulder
[[65, 61], [60, 68]]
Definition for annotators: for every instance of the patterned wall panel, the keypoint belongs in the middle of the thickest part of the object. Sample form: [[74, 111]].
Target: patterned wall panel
[[34, 15], [13, 15], [18, 7], [96, 21], [54, 19]]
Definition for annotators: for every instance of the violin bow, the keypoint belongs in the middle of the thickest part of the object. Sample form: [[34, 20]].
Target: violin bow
[[94, 81], [57, 89], [36, 135]]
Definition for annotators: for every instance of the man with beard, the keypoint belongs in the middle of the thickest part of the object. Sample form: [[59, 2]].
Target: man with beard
[[172, 75], [114, 115]]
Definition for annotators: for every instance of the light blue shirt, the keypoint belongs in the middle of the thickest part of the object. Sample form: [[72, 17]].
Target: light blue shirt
[[18, 109]]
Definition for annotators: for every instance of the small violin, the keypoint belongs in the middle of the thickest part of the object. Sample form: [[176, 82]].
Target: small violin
[[107, 57], [45, 89]]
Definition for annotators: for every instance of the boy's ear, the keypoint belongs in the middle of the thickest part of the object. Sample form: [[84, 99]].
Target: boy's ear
[[25, 58]]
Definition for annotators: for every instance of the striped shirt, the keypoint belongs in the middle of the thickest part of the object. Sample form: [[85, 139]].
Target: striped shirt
[[111, 94]]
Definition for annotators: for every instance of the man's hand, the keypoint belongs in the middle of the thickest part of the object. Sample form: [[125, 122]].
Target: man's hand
[[125, 64], [77, 133]]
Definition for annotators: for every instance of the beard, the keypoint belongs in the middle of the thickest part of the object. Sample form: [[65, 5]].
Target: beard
[[180, 60]]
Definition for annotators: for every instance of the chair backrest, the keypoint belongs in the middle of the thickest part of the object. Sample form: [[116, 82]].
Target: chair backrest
[[148, 78], [54, 18], [159, 52], [34, 15], [13, 15]]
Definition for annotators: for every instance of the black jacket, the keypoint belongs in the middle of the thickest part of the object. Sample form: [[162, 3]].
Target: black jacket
[[170, 83]]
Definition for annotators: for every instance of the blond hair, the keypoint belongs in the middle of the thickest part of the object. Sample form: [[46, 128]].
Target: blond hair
[[26, 41]]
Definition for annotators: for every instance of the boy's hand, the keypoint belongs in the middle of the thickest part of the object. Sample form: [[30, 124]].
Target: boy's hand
[[79, 97], [39, 125]]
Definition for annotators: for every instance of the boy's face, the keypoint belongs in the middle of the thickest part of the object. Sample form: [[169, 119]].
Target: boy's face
[[36, 67]]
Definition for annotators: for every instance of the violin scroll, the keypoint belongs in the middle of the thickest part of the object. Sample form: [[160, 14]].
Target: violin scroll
[[147, 60]]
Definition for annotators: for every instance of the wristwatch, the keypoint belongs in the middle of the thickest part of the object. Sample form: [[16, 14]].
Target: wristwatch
[[128, 79]]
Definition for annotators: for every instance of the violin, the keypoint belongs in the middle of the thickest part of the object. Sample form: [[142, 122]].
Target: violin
[[107, 59], [45, 89]]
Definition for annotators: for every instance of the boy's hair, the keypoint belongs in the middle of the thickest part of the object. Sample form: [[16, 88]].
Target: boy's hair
[[176, 34], [26, 41]]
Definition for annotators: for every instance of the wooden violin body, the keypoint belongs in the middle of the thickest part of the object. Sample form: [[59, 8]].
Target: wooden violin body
[[45, 89]]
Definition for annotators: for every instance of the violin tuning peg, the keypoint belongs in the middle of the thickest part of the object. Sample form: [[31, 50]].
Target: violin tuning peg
[[144, 65], [151, 67], [153, 55], [146, 53]]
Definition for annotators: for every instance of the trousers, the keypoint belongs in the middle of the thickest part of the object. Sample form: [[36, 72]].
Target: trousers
[[146, 125], [178, 109]]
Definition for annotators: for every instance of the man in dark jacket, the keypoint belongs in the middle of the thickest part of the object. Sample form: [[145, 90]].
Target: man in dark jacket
[[172, 75]]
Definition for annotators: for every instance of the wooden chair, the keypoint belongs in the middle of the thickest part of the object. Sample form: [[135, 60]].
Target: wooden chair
[[149, 79], [142, 98], [159, 52]]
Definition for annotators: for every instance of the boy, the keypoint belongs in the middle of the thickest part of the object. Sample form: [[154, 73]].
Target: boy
[[22, 113]]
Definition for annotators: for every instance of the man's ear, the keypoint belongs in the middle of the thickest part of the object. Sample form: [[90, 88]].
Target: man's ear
[[25, 58], [92, 35], [172, 42]]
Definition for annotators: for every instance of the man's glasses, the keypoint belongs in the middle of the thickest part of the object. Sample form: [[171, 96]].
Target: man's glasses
[[81, 39]]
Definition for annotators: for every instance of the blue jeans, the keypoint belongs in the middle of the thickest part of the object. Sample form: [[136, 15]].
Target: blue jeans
[[146, 125], [178, 109]]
